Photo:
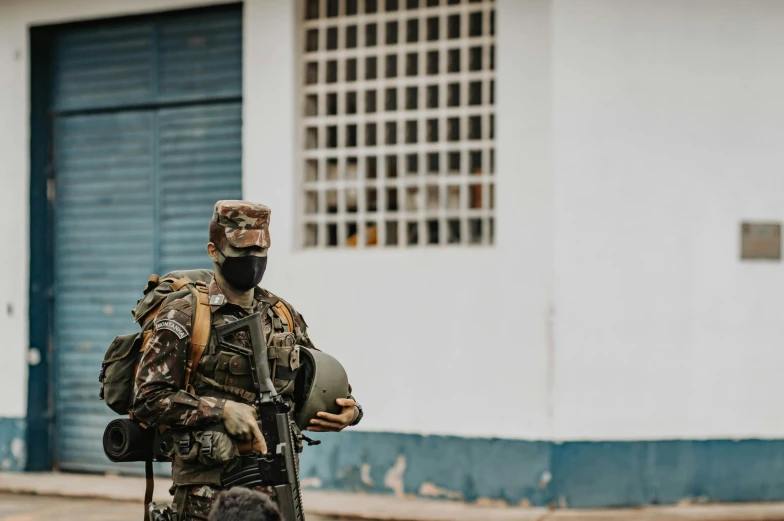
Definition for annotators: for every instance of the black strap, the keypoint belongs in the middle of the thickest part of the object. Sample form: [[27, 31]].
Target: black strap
[[149, 486], [310, 441]]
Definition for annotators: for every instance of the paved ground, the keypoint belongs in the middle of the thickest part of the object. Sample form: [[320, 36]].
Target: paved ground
[[329, 505], [40, 508], [23, 507], [72, 497]]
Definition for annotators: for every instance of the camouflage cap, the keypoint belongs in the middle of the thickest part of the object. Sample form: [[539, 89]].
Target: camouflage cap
[[246, 223]]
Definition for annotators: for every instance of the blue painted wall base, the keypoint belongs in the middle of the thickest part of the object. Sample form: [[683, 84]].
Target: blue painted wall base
[[535, 473], [573, 474], [13, 451]]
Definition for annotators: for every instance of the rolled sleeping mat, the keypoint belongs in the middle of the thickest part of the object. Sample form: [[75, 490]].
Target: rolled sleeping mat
[[125, 440]]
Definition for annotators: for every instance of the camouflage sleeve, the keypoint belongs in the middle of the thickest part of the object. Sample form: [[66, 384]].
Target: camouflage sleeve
[[159, 397]]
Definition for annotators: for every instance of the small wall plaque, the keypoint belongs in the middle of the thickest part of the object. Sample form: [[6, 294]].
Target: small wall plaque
[[760, 241]]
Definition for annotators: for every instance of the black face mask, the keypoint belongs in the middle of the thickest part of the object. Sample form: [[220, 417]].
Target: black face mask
[[243, 273]]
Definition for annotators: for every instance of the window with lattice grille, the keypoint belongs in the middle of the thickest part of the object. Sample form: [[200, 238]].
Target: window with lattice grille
[[397, 110]]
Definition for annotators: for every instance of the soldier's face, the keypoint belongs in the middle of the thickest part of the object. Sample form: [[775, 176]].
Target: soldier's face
[[256, 251], [242, 268], [231, 251]]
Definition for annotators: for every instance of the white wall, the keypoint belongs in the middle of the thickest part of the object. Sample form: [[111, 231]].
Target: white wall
[[435, 341], [668, 119], [632, 139], [13, 215], [430, 338]]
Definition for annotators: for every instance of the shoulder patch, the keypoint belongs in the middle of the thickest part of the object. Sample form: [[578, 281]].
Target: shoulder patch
[[173, 326]]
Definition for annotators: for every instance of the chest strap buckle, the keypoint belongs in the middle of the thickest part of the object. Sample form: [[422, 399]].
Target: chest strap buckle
[[206, 444], [184, 445]]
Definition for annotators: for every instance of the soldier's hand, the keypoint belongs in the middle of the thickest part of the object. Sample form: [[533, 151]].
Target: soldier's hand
[[327, 422], [240, 422]]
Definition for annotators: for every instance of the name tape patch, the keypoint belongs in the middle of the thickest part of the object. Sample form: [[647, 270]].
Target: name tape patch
[[172, 326]]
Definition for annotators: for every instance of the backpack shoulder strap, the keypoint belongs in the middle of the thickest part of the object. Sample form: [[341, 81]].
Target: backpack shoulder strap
[[149, 485], [201, 330], [283, 312]]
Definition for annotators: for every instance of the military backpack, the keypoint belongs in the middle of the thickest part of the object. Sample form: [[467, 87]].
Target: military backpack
[[118, 370]]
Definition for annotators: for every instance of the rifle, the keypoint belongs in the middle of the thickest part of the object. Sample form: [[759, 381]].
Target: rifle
[[279, 467]]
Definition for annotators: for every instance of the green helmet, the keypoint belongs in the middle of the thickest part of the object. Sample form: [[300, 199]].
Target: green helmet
[[321, 380]]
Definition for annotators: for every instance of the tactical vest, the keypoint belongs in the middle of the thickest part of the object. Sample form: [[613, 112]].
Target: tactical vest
[[227, 373], [201, 456]]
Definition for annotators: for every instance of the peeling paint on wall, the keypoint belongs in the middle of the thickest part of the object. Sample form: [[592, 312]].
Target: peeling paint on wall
[[534, 474], [428, 489], [448, 467], [13, 450], [365, 475], [311, 483], [394, 476]]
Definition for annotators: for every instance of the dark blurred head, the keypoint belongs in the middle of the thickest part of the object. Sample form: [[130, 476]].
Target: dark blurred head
[[242, 504]]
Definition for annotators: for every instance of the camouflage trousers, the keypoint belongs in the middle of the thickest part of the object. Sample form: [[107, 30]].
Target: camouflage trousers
[[194, 502]]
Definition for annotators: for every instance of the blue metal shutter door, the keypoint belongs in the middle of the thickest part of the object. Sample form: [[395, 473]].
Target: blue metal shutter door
[[104, 221], [200, 163], [147, 136]]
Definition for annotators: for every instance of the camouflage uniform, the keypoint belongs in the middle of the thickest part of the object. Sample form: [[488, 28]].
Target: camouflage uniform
[[222, 374]]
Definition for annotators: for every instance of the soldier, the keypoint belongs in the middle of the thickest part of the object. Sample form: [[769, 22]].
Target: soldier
[[211, 420]]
